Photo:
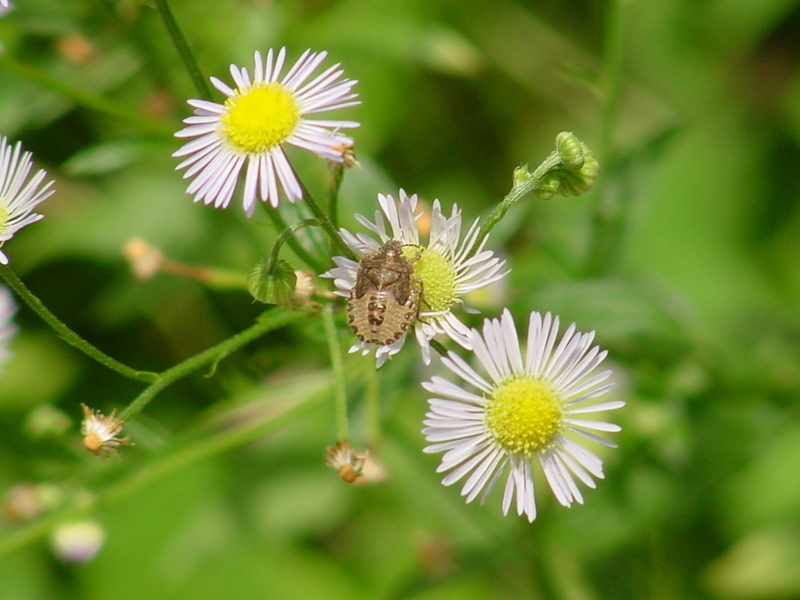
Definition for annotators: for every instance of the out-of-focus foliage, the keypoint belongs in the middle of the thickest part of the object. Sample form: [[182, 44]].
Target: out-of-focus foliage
[[693, 112]]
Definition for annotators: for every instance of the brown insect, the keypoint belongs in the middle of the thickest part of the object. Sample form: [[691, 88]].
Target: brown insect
[[383, 301]]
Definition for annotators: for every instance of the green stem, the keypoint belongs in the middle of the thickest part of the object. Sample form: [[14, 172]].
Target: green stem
[[337, 176], [372, 394], [520, 188], [179, 41], [327, 224], [82, 98], [269, 320], [68, 334], [337, 365], [294, 243], [285, 235]]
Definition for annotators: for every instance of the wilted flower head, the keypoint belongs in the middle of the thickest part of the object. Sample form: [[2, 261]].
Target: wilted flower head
[[259, 116], [100, 432], [344, 459]]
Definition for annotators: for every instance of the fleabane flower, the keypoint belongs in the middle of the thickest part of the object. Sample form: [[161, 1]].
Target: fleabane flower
[[18, 198], [7, 327], [443, 270], [259, 116], [528, 411]]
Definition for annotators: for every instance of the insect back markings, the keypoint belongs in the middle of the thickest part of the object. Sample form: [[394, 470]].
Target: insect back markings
[[383, 300]]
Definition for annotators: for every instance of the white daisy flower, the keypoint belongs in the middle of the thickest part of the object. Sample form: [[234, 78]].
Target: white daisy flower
[[17, 202], [530, 410], [443, 269], [7, 327], [260, 115]]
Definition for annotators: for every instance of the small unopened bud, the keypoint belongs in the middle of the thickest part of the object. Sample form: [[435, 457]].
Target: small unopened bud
[[521, 174], [272, 284], [343, 458], [77, 542], [100, 433], [571, 150], [576, 173]]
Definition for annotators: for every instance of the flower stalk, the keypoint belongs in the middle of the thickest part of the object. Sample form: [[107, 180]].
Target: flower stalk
[[179, 41], [337, 365], [570, 170]]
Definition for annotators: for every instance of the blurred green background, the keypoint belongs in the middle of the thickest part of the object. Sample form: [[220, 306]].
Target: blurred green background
[[684, 259]]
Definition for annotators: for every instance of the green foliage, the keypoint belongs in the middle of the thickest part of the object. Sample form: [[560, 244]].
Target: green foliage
[[684, 258]]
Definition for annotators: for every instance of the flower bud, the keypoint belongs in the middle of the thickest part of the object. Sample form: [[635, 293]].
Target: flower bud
[[272, 283], [576, 173], [571, 150]]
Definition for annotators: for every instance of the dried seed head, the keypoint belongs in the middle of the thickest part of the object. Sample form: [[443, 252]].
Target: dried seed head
[[343, 458], [100, 433]]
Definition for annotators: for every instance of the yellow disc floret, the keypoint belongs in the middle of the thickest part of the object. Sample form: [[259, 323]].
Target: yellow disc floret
[[523, 415], [259, 117], [436, 276]]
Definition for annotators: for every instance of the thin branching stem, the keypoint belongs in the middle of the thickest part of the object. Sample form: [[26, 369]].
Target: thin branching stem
[[327, 224], [520, 188], [268, 321], [68, 335], [337, 364], [294, 243]]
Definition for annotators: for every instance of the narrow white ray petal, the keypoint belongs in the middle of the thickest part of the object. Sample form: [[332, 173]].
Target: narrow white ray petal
[[481, 475], [595, 408], [595, 425], [460, 367], [440, 434], [498, 473], [575, 468], [595, 438], [466, 467], [555, 479], [509, 334], [585, 390]]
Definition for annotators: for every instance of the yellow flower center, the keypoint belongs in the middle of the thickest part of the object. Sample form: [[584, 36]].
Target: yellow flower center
[[523, 415], [260, 117], [437, 276]]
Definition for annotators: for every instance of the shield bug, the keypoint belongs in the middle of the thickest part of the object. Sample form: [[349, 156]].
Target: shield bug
[[383, 300]]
